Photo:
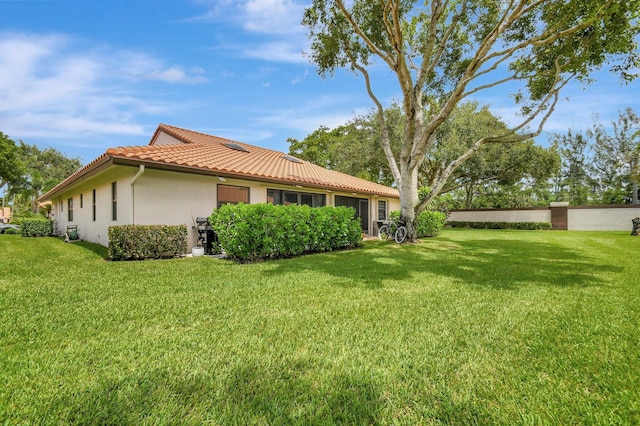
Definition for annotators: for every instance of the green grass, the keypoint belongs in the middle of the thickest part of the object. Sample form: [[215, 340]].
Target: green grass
[[472, 327]]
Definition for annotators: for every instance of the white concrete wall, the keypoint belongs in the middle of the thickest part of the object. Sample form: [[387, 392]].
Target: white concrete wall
[[495, 215], [605, 218], [602, 219]]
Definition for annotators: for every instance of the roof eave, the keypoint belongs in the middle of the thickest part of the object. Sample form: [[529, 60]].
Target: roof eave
[[81, 175], [125, 161]]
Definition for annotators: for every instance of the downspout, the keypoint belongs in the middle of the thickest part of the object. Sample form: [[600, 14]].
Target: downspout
[[133, 181]]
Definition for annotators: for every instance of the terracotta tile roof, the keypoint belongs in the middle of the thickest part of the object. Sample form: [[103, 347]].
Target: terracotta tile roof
[[200, 153]]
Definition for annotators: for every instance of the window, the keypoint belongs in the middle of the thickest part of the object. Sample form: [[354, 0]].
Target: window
[[81, 201], [382, 210], [279, 197], [70, 209], [93, 193], [229, 194], [114, 201]]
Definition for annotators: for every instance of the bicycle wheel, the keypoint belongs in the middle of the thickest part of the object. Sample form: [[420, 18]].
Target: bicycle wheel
[[383, 232], [401, 234]]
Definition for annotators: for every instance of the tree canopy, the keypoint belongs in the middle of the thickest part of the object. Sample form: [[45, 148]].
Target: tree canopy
[[354, 148], [41, 170], [601, 166], [443, 52], [11, 168]]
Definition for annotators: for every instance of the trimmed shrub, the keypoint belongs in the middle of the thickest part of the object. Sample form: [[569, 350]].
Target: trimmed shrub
[[528, 226], [428, 223], [9, 231], [137, 242], [249, 232], [36, 227]]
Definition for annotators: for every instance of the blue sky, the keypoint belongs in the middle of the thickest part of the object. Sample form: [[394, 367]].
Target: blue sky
[[85, 75]]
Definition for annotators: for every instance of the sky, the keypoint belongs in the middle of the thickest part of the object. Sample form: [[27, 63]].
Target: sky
[[82, 76]]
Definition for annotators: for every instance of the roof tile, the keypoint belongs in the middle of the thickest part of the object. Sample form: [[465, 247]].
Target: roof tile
[[209, 154]]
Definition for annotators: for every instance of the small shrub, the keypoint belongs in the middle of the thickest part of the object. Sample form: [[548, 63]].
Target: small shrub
[[249, 232], [36, 227], [137, 242], [11, 231], [428, 223]]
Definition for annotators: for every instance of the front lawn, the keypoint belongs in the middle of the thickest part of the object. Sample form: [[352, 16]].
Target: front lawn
[[485, 327]]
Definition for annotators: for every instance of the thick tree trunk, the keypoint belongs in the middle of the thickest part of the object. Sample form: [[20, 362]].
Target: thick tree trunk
[[409, 199]]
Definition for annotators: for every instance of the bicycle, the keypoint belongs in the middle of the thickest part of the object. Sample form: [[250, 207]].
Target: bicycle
[[395, 228]]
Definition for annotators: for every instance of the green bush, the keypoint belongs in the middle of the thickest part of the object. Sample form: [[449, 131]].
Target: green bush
[[249, 232], [137, 242], [428, 223], [36, 227], [11, 231], [529, 226]]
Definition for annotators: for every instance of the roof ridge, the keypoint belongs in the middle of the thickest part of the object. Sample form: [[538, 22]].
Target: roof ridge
[[175, 132]]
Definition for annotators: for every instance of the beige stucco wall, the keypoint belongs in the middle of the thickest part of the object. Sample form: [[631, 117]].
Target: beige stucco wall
[[88, 229], [160, 197], [602, 219], [543, 215]]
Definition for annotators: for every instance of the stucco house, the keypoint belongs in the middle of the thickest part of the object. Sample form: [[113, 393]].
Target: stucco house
[[182, 174]]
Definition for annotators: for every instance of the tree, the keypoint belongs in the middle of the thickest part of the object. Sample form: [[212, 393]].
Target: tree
[[445, 51], [44, 169], [352, 148], [502, 166], [576, 183], [616, 158], [11, 167]]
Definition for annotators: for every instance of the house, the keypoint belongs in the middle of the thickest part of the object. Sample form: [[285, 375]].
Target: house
[[181, 175]]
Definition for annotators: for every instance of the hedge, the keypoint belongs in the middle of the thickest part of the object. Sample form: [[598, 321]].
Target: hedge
[[137, 242], [249, 232], [36, 227], [529, 226], [428, 223]]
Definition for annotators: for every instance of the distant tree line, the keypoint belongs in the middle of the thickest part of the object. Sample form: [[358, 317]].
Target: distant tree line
[[27, 171], [598, 166]]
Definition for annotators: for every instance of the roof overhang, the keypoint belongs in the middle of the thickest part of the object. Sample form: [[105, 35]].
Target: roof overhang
[[153, 165], [100, 164]]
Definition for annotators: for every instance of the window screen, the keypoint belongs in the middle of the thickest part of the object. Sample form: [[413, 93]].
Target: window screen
[[228, 194]]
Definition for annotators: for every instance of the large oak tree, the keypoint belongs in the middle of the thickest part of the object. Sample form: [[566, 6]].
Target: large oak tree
[[445, 51]]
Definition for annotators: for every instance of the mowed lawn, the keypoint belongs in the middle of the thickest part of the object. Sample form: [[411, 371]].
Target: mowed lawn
[[471, 327]]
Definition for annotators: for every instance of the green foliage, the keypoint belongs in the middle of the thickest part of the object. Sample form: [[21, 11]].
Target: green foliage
[[443, 53], [428, 223], [11, 168], [353, 148], [43, 169], [36, 227], [529, 226], [138, 242], [249, 232], [9, 231], [602, 164]]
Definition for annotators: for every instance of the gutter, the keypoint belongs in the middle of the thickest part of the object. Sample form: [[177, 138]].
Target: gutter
[[141, 169]]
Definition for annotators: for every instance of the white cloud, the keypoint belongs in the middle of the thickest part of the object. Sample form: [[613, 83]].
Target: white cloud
[[276, 51], [271, 28], [52, 87], [273, 16]]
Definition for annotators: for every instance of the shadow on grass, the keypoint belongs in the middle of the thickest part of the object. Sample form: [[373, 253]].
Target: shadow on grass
[[251, 394], [99, 250], [497, 263]]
